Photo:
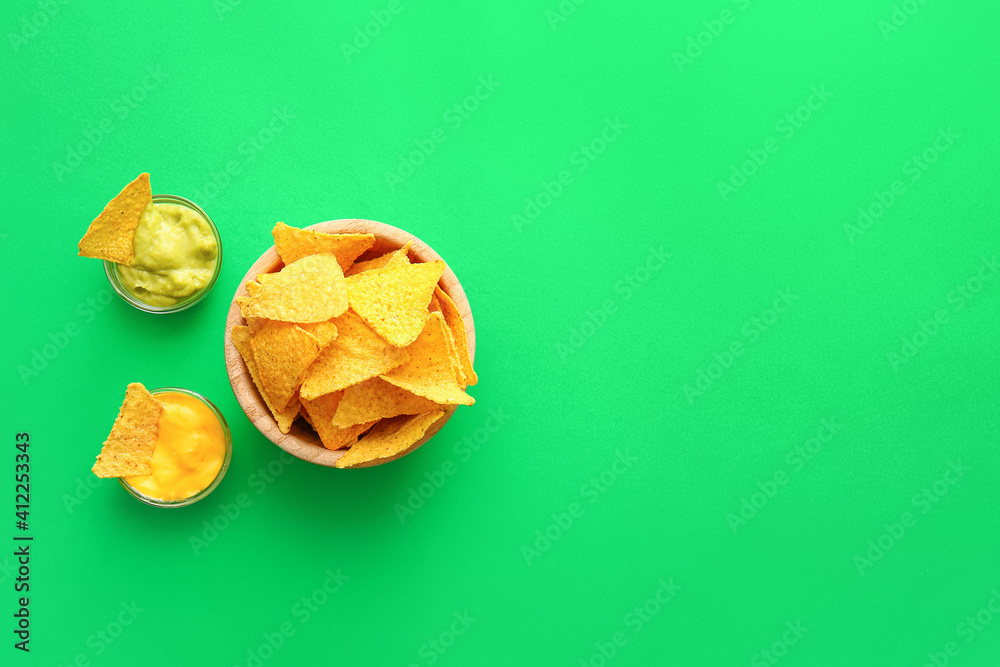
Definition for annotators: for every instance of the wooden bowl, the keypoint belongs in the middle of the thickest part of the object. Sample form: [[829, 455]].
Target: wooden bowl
[[301, 440]]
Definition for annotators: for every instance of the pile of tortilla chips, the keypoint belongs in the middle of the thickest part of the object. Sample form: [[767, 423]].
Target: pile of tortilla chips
[[129, 448], [370, 353], [111, 235]]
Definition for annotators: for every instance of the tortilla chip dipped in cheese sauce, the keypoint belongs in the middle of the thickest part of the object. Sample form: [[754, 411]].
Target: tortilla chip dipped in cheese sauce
[[190, 450]]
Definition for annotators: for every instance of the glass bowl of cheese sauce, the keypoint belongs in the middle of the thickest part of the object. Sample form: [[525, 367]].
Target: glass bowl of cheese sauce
[[178, 257], [192, 453]]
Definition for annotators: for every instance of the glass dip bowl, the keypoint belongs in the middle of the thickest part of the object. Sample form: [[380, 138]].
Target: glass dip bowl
[[195, 497], [113, 270]]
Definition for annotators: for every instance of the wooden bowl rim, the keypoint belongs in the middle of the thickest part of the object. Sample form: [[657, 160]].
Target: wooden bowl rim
[[301, 441]]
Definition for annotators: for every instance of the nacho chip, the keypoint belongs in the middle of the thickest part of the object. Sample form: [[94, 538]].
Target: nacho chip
[[241, 339], [325, 332], [111, 234], [309, 290], [393, 300], [389, 439], [129, 448], [456, 324], [430, 372], [453, 356], [253, 289], [321, 413], [396, 257], [256, 323], [283, 351], [389, 362], [293, 244], [374, 399], [357, 354]]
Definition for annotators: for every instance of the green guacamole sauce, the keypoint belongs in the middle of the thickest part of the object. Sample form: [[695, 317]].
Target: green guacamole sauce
[[175, 255]]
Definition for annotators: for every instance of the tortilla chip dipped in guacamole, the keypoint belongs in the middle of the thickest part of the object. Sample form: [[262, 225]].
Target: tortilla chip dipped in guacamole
[[110, 234], [163, 250]]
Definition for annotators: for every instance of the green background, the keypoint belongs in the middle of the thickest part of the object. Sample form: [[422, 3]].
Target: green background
[[583, 368]]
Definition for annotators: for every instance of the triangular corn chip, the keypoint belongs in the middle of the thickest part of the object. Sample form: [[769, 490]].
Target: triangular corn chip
[[293, 244], [456, 363], [321, 413], [375, 399], [241, 339], [309, 290], [358, 353], [283, 351], [456, 324], [111, 234], [393, 300], [430, 371], [389, 439], [256, 323], [396, 257], [325, 332], [129, 448]]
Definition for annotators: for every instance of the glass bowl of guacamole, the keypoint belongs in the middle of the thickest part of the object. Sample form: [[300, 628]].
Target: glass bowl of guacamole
[[178, 257]]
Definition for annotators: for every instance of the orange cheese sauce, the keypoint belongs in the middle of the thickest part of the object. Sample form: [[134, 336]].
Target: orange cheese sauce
[[190, 450]]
